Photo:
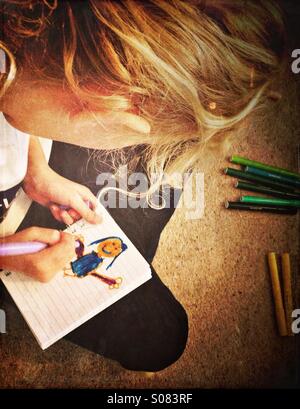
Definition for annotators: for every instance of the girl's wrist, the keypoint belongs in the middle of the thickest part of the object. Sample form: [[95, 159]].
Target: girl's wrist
[[37, 163], [36, 173]]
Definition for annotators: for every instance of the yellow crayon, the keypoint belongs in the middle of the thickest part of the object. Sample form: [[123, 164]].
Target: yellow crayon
[[279, 310], [287, 290]]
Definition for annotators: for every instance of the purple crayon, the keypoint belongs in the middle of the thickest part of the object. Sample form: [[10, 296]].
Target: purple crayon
[[24, 247]]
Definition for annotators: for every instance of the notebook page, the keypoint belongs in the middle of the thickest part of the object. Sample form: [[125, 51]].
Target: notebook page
[[53, 309]]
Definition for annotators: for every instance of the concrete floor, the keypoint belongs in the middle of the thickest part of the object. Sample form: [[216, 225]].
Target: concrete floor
[[224, 286]]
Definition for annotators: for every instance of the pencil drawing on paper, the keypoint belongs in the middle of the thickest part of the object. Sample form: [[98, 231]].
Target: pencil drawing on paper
[[88, 263]]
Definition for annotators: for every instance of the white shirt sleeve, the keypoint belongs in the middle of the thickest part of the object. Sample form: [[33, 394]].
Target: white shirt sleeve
[[13, 155], [18, 166]]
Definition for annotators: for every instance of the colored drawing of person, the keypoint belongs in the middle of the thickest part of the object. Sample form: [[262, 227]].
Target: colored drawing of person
[[87, 264]]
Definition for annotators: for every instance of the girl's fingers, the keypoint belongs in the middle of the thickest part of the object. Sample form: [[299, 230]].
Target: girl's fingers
[[49, 236], [75, 216], [56, 211], [89, 198], [63, 216], [78, 204], [66, 218]]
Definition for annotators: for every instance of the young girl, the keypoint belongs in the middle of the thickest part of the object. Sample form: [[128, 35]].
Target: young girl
[[172, 77]]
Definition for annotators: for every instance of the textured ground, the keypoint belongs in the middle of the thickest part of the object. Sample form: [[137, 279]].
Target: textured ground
[[224, 285]]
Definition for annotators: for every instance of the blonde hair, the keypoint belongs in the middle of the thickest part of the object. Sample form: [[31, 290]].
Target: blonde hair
[[193, 69]]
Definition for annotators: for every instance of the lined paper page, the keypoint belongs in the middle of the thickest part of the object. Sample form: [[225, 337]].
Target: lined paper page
[[54, 309]]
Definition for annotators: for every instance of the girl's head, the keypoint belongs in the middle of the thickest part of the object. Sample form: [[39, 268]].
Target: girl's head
[[171, 75], [110, 247]]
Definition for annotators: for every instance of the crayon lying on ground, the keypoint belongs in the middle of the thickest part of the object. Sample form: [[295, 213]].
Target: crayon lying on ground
[[239, 160], [258, 180], [270, 201], [251, 187], [277, 294], [287, 290], [260, 208], [275, 177]]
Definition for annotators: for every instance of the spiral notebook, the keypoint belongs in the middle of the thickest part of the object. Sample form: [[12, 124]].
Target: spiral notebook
[[107, 267]]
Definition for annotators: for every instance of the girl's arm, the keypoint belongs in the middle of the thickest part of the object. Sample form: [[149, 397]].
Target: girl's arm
[[47, 188], [36, 158]]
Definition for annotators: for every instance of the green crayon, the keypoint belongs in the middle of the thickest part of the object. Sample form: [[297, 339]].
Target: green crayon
[[275, 177], [266, 190], [269, 201], [260, 208], [258, 180], [248, 162]]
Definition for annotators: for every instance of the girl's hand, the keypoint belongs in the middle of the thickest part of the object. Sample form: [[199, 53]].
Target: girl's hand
[[46, 263], [48, 188]]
